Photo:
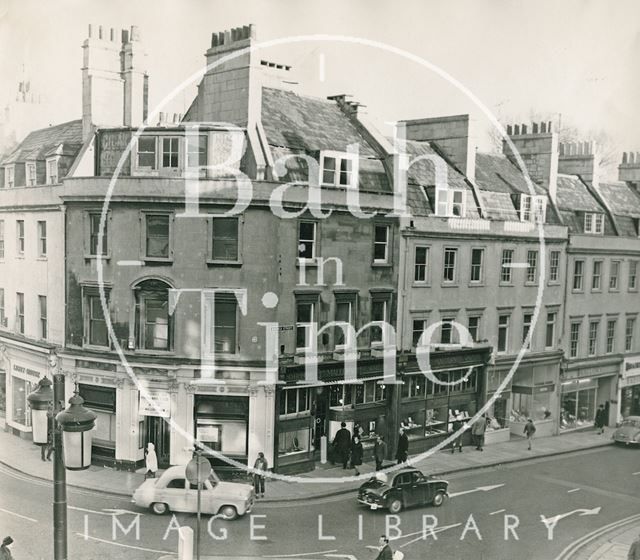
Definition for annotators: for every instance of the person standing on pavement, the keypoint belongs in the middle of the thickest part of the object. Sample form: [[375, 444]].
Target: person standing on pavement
[[151, 461], [342, 444], [601, 419], [457, 442], [402, 452], [477, 431], [356, 453], [5, 553], [261, 465], [48, 447], [529, 430], [379, 452], [634, 550]]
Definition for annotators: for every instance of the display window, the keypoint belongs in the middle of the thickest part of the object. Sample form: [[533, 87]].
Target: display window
[[221, 423], [578, 404], [294, 441], [20, 409]]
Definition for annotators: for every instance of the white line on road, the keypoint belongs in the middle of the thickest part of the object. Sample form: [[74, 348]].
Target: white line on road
[[20, 516], [635, 473], [301, 554], [106, 512], [423, 534], [574, 490], [498, 511], [478, 489], [84, 537]]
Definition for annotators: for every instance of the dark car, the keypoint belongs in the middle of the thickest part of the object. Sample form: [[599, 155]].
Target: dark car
[[405, 488]]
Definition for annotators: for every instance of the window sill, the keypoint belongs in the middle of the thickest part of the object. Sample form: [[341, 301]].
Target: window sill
[[506, 284], [308, 263], [476, 284], [596, 291], [574, 291], [553, 283], [144, 351], [449, 285], [375, 264], [42, 258], [88, 257], [633, 290], [97, 348], [530, 284], [614, 290], [158, 260], [21, 257], [421, 285], [218, 262]]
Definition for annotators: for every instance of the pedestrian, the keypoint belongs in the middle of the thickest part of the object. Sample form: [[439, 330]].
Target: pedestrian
[[151, 461], [601, 419], [477, 431], [385, 552], [261, 465], [529, 430], [379, 452], [5, 553], [457, 426], [356, 453], [342, 444], [402, 452], [634, 550], [47, 448]]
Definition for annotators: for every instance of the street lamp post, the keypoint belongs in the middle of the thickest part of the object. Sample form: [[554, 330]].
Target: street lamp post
[[71, 433]]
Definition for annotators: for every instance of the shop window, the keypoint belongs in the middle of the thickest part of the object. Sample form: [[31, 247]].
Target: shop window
[[503, 332], [611, 336], [221, 423], [578, 275], [347, 395], [414, 386], [554, 266], [21, 413], [506, 270], [294, 441], [578, 403], [633, 275], [532, 266], [614, 273], [449, 265], [420, 265], [95, 245], [381, 243], [477, 262], [42, 238], [170, 152], [574, 339], [593, 337], [305, 319], [20, 238], [42, 304], [225, 239], [529, 402], [157, 236], [102, 400], [20, 312], [307, 241], [498, 415], [153, 322], [596, 276], [550, 334], [295, 401], [629, 333], [473, 326], [146, 152]]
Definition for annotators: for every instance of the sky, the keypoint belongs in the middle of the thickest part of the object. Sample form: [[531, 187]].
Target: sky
[[574, 62]]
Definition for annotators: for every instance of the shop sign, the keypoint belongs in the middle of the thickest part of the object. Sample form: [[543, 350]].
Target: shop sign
[[25, 371], [159, 404], [282, 328], [631, 380], [631, 366]]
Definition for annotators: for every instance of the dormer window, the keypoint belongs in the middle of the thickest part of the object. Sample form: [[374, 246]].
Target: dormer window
[[30, 172], [450, 202], [9, 174], [146, 153], [338, 169], [594, 223], [533, 208], [52, 171]]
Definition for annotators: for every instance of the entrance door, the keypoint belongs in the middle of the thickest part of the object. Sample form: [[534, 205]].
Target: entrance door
[[157, 432]]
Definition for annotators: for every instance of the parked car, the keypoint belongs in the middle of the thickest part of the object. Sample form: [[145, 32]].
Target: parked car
[[404, 488], [173, 492], [629, 431]]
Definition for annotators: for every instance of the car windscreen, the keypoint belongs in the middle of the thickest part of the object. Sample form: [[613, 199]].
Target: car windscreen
[[631, 424]]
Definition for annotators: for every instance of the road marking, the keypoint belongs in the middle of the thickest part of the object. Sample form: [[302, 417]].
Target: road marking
[[635, 473], [478, 489], [20, 516], [423, 537], [551, 521], [131, 263], [109, 512], [84, 537], [574, 490], [349, 556], [496, 512], [296, 555]]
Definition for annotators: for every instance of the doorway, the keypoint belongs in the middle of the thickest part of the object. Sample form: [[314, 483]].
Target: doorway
[[157, 431]]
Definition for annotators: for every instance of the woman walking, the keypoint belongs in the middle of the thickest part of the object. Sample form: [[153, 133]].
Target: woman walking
[[261, 465], [151, 461], [356, 453]]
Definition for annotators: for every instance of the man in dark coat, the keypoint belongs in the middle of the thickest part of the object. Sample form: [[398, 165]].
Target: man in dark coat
[[601, 419], [457, 426], [403, 447], [379, 452], [5, 553], [385, 550], [342, 444], [477, 430]]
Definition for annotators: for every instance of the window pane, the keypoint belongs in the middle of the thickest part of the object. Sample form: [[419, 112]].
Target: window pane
[[225, 326], [306, 241], [147, 152], [329, 171], [157, 236], [225, 239]]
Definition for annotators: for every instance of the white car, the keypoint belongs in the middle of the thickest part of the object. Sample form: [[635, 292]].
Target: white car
[[172, 492]]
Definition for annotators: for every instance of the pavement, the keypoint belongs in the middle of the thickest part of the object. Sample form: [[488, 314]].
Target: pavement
[[23, 456]]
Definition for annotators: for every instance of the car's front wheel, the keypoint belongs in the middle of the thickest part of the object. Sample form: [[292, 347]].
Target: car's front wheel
[[395, 506], [228, 512], [159, 508], [438, 499]]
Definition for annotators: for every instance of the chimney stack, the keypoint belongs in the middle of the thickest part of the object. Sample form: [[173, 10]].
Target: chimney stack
[[579, 158], [539, 151], [454, 136], [114, 79], [629, 170]]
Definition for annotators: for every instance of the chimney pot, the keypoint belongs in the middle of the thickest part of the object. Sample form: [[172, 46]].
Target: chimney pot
[[90, 31], [100, 32], [135, 33], [214, 40], [549, 126], [535, 128], [516, 129], [509, 130], [112, 35], [524, 129], [561, 148], [632, 157], [246, 32], [543, 128], [624, 157]]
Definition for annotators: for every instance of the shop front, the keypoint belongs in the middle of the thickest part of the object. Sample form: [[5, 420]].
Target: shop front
[[629, 398], [308, 415], [583, 389], [500, 404], [426, 409]]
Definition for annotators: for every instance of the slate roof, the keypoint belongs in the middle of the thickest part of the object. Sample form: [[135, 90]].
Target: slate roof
[[497, 173], [621, 198], [296, 124], [42, 143], [574, 199]]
